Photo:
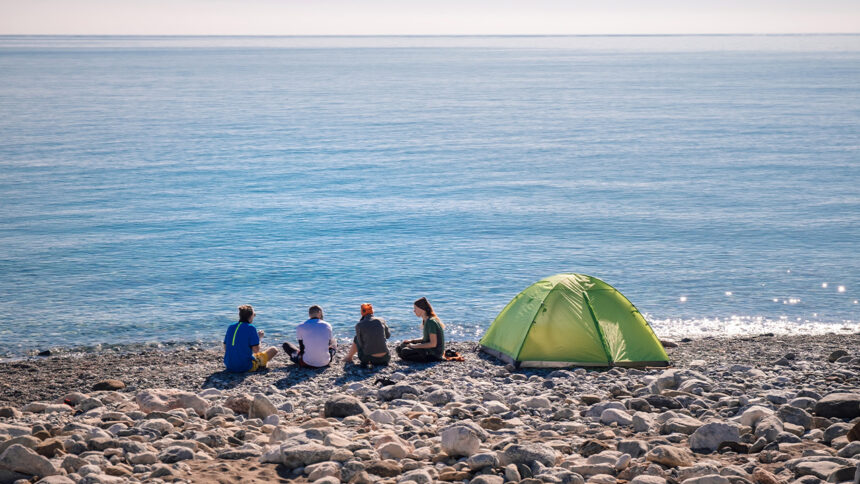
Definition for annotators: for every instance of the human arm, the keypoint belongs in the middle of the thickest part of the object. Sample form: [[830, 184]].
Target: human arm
[[254, 341], [434, 340], [352, 351]]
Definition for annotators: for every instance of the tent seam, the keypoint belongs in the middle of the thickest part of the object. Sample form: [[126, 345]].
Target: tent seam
[[597, 327], [531, 325]]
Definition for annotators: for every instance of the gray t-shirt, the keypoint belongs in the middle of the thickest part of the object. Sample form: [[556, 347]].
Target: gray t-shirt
[[370, 335]]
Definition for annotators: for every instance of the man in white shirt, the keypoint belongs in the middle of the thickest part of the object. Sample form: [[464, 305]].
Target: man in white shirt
[[317, 345]]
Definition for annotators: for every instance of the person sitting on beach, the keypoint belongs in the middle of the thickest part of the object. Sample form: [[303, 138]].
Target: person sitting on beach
[[431, 347], [242, 344], [317, 345], [370, 335]]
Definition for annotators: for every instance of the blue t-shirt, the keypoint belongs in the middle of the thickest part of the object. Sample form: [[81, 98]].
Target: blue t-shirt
[[238, 341]]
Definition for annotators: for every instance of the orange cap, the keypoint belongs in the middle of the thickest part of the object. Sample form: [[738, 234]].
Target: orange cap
[[366, 309]]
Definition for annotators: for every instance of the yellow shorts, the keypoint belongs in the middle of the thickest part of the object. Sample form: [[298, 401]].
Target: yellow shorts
[[260, 361]]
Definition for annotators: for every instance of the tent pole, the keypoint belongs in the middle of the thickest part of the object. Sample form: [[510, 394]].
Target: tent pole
[[597, 327]]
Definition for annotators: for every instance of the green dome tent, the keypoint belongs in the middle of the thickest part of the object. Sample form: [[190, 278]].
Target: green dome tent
[[573, 320]]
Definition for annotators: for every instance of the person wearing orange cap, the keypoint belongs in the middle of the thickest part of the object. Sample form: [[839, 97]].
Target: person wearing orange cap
[[370, 335]]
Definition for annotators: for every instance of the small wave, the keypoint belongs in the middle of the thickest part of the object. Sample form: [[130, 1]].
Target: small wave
[[746, 325]]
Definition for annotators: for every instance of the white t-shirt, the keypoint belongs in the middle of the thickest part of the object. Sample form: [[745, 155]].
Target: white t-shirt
[[317, 337]]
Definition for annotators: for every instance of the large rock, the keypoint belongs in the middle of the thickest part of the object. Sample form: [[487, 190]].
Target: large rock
[[440, 397], [684, 425], [175, 453], [834, 431], [529, 453], [27, 441], [392, 392], [614, 415], [820, 469], [11, 430], [488, 479], [663, 401], [643, 422], [845, 474], [460, 440], [537, 402], [159, 425], [839, 405], [56, 480], [597, 409], [344, 406], [592, 447], [796, 416], [769, 428], [418, 476], [850, 450], [635, 448], [50, 447], [89, 404], [163, 400], [694, 384], [384, 417], [836, 355], [239, 403], [648, 479], [18, 458], [762, 476], [854, 433], [708, 437], [261, 407], [323, 469], [9, 412], [708, 479], [670, 456], [751, 416], [384, 468], [480, 461], [58, 408], [292, 456], [668, 379], [109, 385], [237, 454], [394, 450]]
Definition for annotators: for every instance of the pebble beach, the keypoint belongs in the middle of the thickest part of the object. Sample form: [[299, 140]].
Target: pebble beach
[[761, 409]]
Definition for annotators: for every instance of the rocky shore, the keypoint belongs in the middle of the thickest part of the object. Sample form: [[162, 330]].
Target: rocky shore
[[764, 409]]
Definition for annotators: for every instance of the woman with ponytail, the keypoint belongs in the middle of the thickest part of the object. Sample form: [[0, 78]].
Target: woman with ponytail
[[431, 347]]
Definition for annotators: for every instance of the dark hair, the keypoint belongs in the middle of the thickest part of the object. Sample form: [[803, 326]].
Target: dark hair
[[245, 313], [424, 305], [314, 310]]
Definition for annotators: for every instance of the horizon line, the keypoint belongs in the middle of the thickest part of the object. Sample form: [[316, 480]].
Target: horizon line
[[714, 34]]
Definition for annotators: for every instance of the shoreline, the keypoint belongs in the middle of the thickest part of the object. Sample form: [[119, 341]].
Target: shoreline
[[169, 345]]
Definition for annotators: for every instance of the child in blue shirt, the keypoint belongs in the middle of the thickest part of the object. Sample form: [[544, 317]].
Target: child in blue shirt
[[242, 344]]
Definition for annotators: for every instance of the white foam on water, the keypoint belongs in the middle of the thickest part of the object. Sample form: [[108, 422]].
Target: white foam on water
[[746, 326]]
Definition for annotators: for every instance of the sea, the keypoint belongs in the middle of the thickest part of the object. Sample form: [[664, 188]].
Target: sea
[[151, 185]]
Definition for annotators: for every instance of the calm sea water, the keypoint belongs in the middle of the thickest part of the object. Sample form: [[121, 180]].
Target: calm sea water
[[148, 186]]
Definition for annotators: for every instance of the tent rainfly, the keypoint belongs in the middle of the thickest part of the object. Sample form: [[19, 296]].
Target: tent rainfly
[[573, 320]]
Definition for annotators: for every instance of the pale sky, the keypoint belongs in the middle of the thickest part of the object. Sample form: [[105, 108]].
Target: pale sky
[[426, 17]]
